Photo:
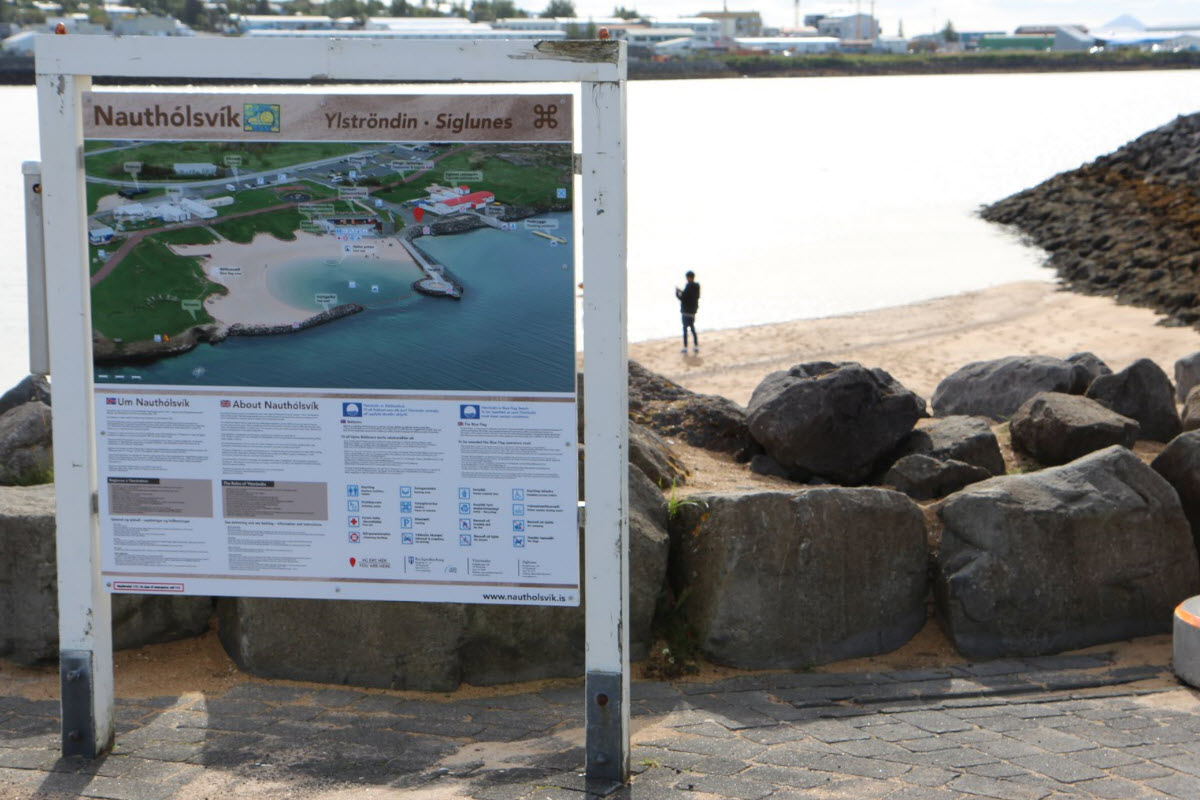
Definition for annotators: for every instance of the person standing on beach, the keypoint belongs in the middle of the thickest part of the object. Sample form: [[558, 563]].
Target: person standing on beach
[[689, 302]]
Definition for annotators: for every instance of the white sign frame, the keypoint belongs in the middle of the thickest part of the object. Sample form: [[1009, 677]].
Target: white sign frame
[[64, 67]]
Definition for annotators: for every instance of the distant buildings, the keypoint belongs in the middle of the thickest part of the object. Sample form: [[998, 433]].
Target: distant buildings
[[649, 38]]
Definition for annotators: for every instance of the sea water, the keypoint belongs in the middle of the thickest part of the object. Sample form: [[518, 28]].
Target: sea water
[[791, 198], [511, 330]]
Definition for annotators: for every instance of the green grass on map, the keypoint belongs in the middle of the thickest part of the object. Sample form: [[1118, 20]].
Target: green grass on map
[[534, 183], [141, 297], [195, 234], [281, 224]]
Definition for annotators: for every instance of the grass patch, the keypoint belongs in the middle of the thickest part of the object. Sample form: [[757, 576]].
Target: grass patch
[[281, 224], [36, 476], [95, 262], [519, 175], [402, 193], [142, 296], [196, 234]]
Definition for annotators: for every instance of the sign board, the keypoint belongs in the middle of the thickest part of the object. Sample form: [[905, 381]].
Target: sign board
[[314, 391]]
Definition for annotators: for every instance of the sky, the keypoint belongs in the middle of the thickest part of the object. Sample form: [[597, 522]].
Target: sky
[[923, 16]]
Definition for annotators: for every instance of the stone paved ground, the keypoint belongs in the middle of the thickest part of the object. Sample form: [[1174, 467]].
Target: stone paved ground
[[1061, 727]]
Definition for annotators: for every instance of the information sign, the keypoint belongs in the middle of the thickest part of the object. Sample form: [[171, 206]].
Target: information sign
[[304, 390]]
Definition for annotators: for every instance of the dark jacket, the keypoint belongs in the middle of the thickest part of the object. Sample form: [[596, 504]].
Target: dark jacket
[[689, 298]]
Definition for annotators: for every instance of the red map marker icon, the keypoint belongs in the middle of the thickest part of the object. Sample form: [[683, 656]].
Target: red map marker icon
[[353, 561]]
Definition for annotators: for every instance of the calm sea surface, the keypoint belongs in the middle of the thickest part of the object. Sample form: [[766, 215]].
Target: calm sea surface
[[793, 198]]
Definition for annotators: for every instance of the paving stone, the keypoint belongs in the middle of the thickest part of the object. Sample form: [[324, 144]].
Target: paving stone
[[733, 748], [710, 729], [1155, 751], [1035, 710], [1168, 734], [856, 788], [741, 788], [996, 788], [998, 667], [1131, 722], [783, 756], [957, 758], [874, 748], [1053, 741], [662, 757], [1060, 768], [28, 759], [899, 731], [924, 793], [1112, 788], [1070, 662], [718, 765], [799, 778], [1142, 771], [997, 769], [832, 731], [774, 734], [925, 775], [125, 789], [1189, 764], [1104, 735], [169, 751], [1106, 758], [1004, 723], [1007, 747], [931, 745], [1185, 787], [863, 767], [336, 698], [972, 737]]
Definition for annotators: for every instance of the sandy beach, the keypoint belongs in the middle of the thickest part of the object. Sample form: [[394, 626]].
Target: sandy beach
[[244, 269], [920, 344]]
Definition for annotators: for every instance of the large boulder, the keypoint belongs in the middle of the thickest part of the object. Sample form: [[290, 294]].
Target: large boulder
[[701, 420], [1095, 551], [438, 646], [791, 579], [1179, 464], [1141, 391], [1056, 428], [1191, 410], [836, 421], [29, 588], [1091, 362], [31, 388], [1187, 375], [997, 388], [650, 453], [923, 477], [957, 438], [26, 445]]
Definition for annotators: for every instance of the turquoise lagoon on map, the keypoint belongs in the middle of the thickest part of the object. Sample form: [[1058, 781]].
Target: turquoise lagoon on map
[[513, 329]]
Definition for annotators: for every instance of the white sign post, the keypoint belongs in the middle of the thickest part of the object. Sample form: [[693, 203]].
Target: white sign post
[[64, 67]]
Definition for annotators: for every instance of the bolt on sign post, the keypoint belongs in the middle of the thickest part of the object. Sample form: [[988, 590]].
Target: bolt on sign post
[[390, 414]]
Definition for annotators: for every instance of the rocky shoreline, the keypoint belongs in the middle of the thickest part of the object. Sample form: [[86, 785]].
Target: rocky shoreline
[[106, 352], [1127, 225]]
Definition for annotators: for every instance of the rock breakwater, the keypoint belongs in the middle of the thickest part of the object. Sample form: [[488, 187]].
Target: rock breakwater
[[1127, 225]]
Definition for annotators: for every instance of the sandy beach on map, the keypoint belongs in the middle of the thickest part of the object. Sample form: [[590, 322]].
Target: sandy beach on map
[[922, 343], [244, 269]]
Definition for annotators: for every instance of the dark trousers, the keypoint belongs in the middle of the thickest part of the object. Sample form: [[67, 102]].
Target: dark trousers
[[689, 323]]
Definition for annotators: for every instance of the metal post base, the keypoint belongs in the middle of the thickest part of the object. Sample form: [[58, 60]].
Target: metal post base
[[78, 715], [607, 754]]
